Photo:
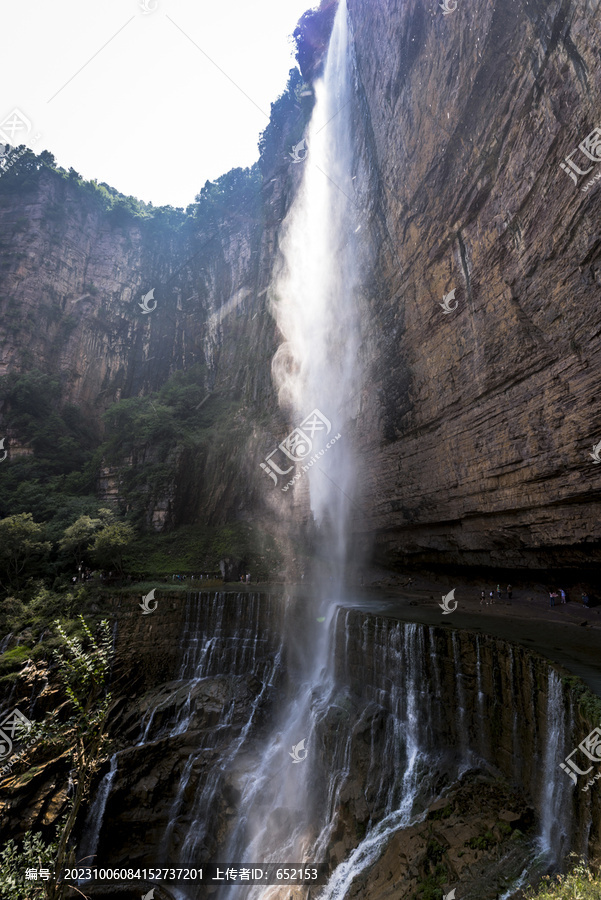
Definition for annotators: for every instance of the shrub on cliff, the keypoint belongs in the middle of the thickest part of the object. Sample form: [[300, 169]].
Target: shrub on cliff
[[579, 884], [33, 855]]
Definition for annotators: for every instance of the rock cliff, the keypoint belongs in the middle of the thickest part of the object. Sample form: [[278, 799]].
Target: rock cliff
[[476, 423], [474, 426]]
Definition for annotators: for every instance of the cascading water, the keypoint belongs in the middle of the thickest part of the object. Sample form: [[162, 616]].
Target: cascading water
[[315, 290], [222, 633], [88, 847], [314, 298], [553, 836]]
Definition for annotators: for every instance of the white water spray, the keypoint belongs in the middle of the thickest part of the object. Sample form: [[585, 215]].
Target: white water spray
[[314, 299], [314, 292]]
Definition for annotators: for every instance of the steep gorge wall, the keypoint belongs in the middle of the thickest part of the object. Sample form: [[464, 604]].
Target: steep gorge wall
[[477, 425], [71, 279]]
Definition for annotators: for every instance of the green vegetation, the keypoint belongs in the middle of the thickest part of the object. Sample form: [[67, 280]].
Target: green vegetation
[[434, 850], [430, 888], [234, 194], [29, 166], [483, 841], [53, 477], [50, 519], [588, 703], [21, 548], [582, 883], [82, 664], [287, 123], [442, 813], [196, 548], [34, 853]]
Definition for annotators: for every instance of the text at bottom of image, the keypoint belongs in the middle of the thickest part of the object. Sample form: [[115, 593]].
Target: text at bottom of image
[[250, 873]]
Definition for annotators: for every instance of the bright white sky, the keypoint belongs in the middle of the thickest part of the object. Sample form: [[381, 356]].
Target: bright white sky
[[126, 97]]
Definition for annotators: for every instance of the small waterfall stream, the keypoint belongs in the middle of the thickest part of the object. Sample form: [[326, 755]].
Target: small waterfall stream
[[554, 828], [89, 846]]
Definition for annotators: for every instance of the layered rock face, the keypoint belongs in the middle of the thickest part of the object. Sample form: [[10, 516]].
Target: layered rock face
[[477, 424]]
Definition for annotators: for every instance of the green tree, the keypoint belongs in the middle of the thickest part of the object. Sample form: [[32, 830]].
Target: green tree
[[78, 538], [21, 548], [110, 544]]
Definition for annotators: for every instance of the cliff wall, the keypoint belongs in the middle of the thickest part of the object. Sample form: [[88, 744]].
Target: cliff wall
[[477, 424]]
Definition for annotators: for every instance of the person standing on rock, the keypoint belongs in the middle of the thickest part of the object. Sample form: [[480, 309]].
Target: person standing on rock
[[585, 600], [482, 597], [551, 598], [509, 591], [498, 592], [562, 594], [491, 598]]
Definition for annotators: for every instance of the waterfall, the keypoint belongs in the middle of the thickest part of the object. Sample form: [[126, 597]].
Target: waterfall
[[461, 707], [358, 687], [281, 813], [314, 293], [481, 694], [555, 789], [214, 645], [89, 845]]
